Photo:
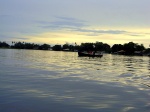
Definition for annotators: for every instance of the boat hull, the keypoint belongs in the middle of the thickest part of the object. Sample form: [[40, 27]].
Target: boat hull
[[85, 54]]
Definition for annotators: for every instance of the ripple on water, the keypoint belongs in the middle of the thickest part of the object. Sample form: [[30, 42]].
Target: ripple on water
[[48, 79]]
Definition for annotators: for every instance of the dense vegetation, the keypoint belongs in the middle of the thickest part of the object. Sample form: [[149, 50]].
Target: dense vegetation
[[127, 49], [4, 45]]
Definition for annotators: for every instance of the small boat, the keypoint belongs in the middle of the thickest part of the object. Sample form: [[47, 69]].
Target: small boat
[[90, 54]]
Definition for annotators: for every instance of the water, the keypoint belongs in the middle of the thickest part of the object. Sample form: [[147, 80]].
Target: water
[[49, 81]]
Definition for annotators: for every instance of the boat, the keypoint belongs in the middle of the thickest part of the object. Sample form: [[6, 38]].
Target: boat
[[90, 54]]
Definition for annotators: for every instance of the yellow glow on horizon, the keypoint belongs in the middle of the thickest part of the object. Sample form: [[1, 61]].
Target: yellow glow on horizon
[[141, 36]]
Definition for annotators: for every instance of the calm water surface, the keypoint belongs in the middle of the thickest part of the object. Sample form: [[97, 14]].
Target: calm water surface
[[48, 81]]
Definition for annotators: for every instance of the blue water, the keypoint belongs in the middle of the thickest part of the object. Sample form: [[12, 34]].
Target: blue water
[[49, 81]]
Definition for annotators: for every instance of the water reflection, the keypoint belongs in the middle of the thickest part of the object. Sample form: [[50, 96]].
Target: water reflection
[[62, 81]]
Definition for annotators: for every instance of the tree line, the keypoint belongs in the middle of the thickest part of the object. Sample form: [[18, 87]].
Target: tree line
[[127, 48]]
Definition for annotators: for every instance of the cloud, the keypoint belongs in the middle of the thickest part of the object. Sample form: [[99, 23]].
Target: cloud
[[103, 31], [61, 23], [22, 38], [68, 19], [92, 32], [80, 26]]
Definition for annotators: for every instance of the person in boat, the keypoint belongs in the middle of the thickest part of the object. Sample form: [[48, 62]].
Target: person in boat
[[94, 53], [90, 52]]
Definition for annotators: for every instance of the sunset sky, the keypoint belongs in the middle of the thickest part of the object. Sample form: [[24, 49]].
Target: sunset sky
[[61, 21]]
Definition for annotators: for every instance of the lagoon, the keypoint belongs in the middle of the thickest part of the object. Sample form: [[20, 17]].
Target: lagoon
[[53, 81]]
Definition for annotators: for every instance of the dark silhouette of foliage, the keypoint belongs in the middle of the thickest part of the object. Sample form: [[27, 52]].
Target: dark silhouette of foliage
[[71, 48], [23, 45], [29, 46], [139, 47], [117, 47], [86, 47], [147, 51], [99, 46], [4, 45], [65, 46], [57, 48], [44, 47], [130, 48]]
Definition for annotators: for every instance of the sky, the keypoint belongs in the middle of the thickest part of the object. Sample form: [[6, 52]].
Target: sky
[[69, 21]]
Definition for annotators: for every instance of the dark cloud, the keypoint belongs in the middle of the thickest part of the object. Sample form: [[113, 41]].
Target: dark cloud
[[73, 24], [103, 31], [67, 23], [91, 32], [22, 38], [137, 35], [62, 22], [65, 18]]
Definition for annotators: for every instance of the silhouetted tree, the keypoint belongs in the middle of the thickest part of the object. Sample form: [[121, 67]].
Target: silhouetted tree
[[107, 48], [100, 46], [57, 48], [71, 48], [4, 45], [129, 48], [86, 47], [28, 46], [19, 45], [139, 47], [147, 51], [65, 46], [117, 47], [44, 47]]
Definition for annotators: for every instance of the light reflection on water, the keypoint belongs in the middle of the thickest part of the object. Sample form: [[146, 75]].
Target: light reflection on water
[[33, 80]]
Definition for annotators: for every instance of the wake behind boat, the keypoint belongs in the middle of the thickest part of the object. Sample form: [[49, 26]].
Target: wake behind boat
[[90, 54]]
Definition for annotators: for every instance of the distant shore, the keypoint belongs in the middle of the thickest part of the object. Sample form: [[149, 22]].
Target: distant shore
[[130, 48]]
